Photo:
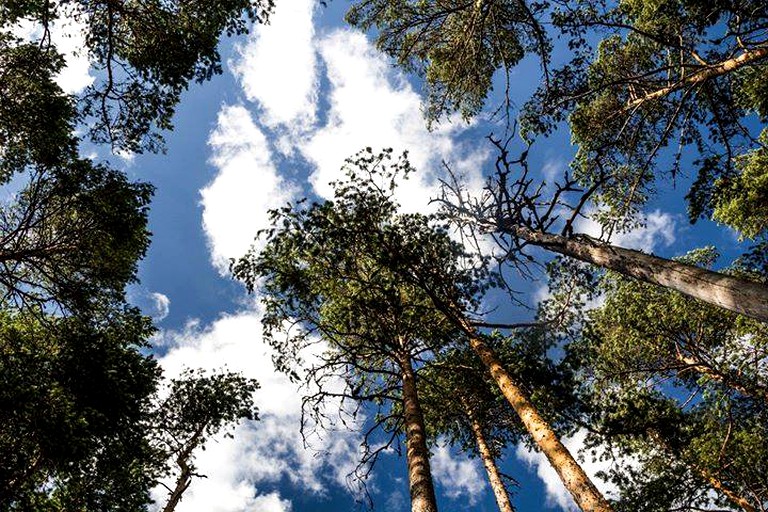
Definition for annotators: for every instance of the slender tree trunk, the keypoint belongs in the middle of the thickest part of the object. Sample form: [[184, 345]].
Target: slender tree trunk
[[704, 74], [732, 293], [417, 454], [185, 476], [494, 477], [575, 480]]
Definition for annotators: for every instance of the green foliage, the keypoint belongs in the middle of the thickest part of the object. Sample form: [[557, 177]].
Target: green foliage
[[339, 268], [742, 201], [73, 237], [145, 53], [457, 46], [677, 389], [36, 118], [73, 400], [201, 405], [354, 283]]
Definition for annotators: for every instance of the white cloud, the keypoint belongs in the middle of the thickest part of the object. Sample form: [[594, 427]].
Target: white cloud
[[261, 453], [154, 304], [371, 105], [658, 231], [276, 68], [247, 185], [457, 474], [271, 503], [162, 306], [557, 495]]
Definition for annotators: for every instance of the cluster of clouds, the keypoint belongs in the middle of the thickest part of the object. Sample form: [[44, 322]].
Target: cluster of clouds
[[311, 100]]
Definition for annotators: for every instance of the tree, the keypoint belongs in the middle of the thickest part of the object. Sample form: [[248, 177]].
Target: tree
[[408, 257], [668, 74], [645, 330], [198, 407], [456, 45], [72, 238], [673, 391], [521, 213], [145, 55], [322, 282], [83, 425], [72, 402]]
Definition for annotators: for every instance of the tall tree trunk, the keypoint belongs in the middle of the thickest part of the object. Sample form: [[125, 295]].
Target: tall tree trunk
[[738, 295], [417, 454], [575, 480], [486, 454]]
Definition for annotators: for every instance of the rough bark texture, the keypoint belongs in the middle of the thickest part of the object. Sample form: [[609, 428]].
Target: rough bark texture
[[417, 454], [704, 74], [584, 492], [486, 454], [732, 293]]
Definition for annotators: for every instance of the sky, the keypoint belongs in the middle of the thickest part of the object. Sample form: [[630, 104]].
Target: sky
[[296, 98]]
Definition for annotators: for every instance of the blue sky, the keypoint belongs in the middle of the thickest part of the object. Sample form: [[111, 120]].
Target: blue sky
[[296, 98]]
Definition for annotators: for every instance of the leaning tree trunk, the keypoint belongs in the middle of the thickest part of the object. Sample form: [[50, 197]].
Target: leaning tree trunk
[[738, 295], [486, 454], [575, 480], [417, 454]]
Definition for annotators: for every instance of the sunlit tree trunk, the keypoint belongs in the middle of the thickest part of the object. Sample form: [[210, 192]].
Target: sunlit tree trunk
[[575, 480], [705, 73], [417, 454], [486, 454], [738, 295]]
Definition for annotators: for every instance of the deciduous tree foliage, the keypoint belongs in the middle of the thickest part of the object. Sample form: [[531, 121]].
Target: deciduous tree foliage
[[73, 400]]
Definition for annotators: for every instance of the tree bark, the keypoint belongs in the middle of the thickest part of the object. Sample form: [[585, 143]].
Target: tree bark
[[732, 293], [494, 477], [575, 480], [704, 74], [417, 454]]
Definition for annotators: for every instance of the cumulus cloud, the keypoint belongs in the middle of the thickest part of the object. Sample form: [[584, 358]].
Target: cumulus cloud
[[458, 475], [286, 93], [236, 202], [658, 230]]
